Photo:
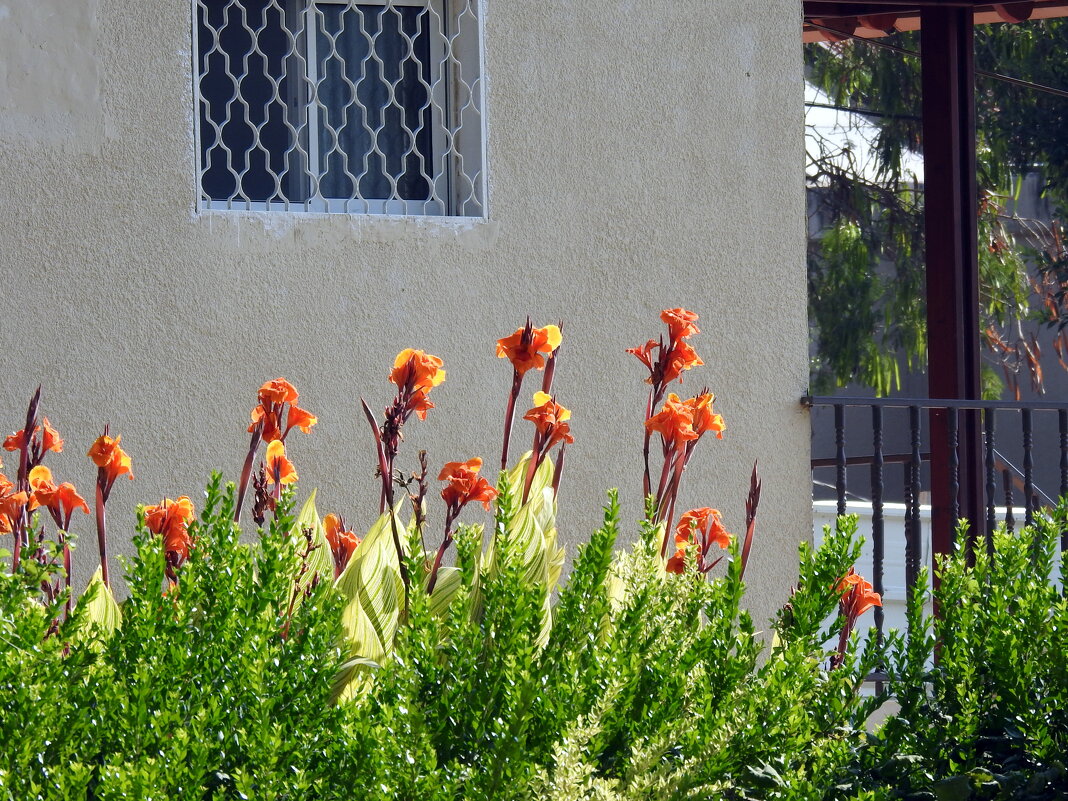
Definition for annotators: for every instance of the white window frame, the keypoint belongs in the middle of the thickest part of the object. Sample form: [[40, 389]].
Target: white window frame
[[448, 52]]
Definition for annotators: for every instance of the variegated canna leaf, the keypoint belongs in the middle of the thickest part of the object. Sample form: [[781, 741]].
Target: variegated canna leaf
[[102, 613], [374, 593], [319, 560]]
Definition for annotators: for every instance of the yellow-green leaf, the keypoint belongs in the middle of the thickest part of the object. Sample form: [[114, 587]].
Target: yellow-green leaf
[[319, 560], [374, 593], [102, 611]]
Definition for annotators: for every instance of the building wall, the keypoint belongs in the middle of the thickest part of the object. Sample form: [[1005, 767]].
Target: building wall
[[641, 156]]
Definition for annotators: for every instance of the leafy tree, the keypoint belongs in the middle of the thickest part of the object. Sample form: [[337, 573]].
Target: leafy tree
[[865, 266]]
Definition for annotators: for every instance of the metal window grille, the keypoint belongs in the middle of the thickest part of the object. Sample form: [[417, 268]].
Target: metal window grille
[[369, 107]]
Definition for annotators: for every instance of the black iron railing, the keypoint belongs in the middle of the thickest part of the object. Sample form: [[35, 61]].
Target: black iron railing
[[987, 461]]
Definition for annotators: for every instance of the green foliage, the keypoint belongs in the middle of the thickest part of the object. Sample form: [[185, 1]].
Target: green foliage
[[647, 685], [197, 695], [872, 251], [989, 719]]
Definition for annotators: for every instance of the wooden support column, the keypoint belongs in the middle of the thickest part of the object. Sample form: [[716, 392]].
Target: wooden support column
[[951, 232]]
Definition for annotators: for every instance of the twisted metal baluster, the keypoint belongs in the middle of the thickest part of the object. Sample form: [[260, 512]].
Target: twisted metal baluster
[[991, 481], [1010, 518], [1029, 468], [840, 457], [912, 530], [877, 540]]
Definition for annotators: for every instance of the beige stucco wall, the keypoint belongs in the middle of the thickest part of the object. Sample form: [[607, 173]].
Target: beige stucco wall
[[641, 155]]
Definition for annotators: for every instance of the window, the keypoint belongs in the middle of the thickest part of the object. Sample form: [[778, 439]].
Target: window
[[369, 107]]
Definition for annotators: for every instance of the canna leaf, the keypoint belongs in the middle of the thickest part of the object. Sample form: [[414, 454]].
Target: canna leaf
[[531, 537], [319, 560], [450, 580], [102, 610], [349, 674], [374, 593]]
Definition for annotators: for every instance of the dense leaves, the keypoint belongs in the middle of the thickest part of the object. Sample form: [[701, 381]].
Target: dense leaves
[[649, 685], [866, 279]]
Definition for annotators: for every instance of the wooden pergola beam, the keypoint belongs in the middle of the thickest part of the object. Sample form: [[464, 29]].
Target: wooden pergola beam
[[841, 14]]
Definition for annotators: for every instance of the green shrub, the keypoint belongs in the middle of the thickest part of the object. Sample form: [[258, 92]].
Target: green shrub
[[989, 717]]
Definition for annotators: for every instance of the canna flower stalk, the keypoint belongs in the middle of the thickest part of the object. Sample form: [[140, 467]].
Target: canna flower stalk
[[12, 514], [704, 527], [550, 427], [680, 424], [111, 462], [170, 520], [528, 348], [273, 418], [857, 598], [464, 485], [31, 443], [415, 373], [672, 359], [61, 502]]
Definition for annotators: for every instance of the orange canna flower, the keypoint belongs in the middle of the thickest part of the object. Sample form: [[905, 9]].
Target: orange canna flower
[[15, 442], [704, 419], [300, 418], [677, 563], [270, 431], [848, 581], [416, 370], [279, 468], [550, 419], [11, 506], [465, 485], [644, 354], [277, 391], [420, 404], [706, 524], [527, 355], [106, 454], [60, 501], [343, 543], [680, 323], [51, 441], [674, 422], [171, 519], [682, 357], [273, 396], [857, 595]]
